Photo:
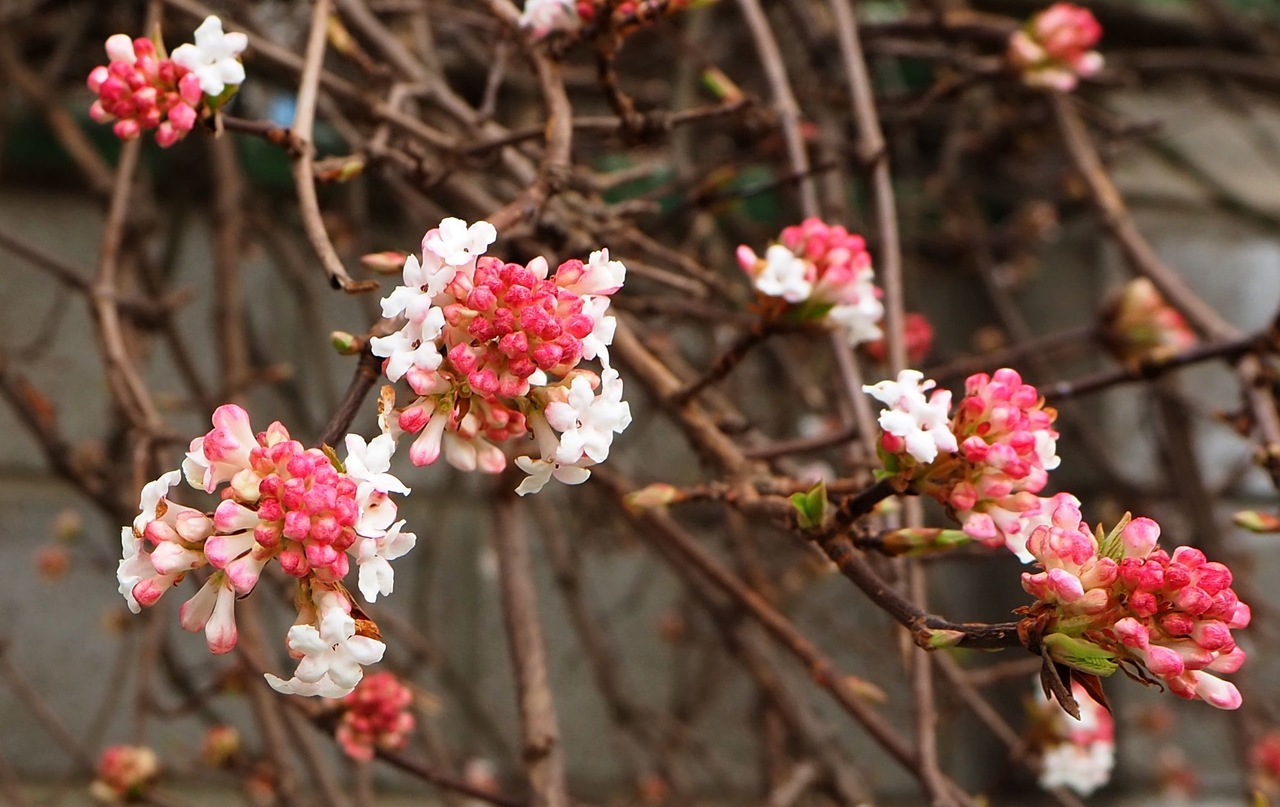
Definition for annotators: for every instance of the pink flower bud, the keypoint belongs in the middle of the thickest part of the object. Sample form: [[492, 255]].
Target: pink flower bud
[[120, 49], [1217, 692], [1140, 537], [126, 129]]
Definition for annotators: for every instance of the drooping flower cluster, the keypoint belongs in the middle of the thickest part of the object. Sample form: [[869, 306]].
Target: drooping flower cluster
[[824, 270], [375, 715], [124, 773], [1078, 754], [1055, 47], [140, 89], [1140, 324], [1000, 442], [492, 349], [1117, 599], [284, 502]]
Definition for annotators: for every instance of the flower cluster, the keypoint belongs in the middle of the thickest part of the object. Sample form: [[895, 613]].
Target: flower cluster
[[375, 715], [542, 17], [1140, 324], [1078, 754], [492, 349], [1000, 442], [824, 270], [278, 501], [124, 773], [1264, 759], [917, 332], [1118, 599], [1054, 48], [140, 89]]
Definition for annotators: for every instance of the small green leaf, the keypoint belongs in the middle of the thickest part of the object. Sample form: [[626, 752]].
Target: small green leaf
[[338, 465], [1255, 521], [811, 507], [1080, 654], [1112, 545]]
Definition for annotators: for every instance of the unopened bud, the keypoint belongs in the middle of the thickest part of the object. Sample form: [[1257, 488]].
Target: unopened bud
[[346, 344], [655, 495], [384, 263]]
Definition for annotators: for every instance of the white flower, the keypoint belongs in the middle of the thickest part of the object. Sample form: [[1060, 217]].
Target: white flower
[[213, 58], [545, 16], [587, 422], [595, 344], [414, 345], [212, 610], [373, 556], [370, 463], [859, 321], [152, 494], [540, 471], [1083, 768], [600, 275], [785, 275], [457, 244], [922, 424], [333, 656], [134, 567]]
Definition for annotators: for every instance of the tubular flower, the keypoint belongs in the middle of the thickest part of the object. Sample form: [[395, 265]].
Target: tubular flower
[[1078, 754], [1054, 48], [489, 347], [281, 502], [996, 452], [824, 270], [375, 715], [1116, 599], [215, 57]]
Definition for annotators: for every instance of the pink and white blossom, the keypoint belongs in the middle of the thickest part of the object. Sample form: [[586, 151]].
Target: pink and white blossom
[[911, 422], [214, 59]]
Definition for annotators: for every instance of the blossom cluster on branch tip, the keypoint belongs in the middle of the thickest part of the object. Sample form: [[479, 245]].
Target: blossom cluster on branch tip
[[1117, 600], [543, 17], [986, 463], [279, 501], [141, 89], [375, 716], [1078, 754], [492, 350], [1140, 324], [1054, 49], [825, 273], [124, 773]]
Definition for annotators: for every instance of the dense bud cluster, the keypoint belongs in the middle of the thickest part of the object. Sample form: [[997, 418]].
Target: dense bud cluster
[[124, 773], [1119, 599], [279, 501], [1140, 324], [140, 89], [826, 272], [376, 715], [1055, 48], [492, 349]]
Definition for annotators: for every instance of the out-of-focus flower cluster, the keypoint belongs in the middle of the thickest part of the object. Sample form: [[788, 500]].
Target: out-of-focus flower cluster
[[375, 716], [1078, 754], [1264, 758], [280, 501], [917, 332], [124, 773], [492, 352], [543, 17], [141, 89], [1140, 324], [1116, 599], [825, 272], [1055, 47], [997, 448]]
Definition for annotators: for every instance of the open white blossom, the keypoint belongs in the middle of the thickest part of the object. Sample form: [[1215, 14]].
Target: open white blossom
[[333, 656], [923, 425], [587, 422], [214, 58], [542, 17], [785, 275], [373, 555], [457, 244]]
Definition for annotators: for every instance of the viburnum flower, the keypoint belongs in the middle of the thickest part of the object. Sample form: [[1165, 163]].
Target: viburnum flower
[[999, 444], [124, 773], [826, 272], [542, 17], [911, 423], [215, 57], [1078, 754], [139, 90], [1116, 600], [1140, 324], [918, 332], [1054, 48], [1264, 758], [376, 715], [279, 501], [490, 347]]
